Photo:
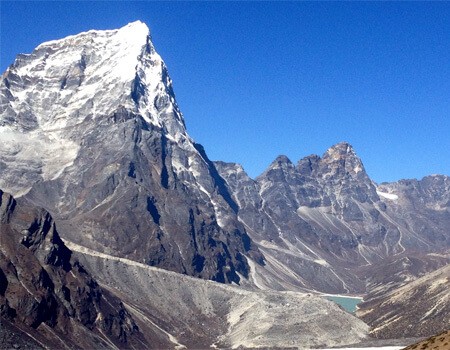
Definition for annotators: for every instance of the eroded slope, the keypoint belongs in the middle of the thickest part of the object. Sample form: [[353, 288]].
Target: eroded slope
[[201, 313]]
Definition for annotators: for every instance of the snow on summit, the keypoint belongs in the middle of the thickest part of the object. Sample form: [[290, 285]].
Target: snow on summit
[[76, 70], [132, 33], [74, 73], [83, 78], [119, 46]]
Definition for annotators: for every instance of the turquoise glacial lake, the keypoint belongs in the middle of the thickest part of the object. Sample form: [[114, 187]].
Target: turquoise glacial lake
[[349, 304]]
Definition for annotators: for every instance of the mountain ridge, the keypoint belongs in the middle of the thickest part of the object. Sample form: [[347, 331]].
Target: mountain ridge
[[330, 202], [102, 146], [131, 146], [49, 299]]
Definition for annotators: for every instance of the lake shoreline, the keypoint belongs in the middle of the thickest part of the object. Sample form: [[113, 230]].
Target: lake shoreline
[[349, 303], [350, 296]]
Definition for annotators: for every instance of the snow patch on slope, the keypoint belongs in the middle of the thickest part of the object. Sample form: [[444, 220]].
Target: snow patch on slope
[[386, 195], [36, 151], [49, 95], [125, 43], [75, 71]]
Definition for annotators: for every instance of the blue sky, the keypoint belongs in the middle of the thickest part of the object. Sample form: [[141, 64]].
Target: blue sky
[[259, 79]]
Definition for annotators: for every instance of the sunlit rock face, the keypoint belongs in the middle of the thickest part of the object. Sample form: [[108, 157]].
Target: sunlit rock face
[[324, 224], [91, 130]]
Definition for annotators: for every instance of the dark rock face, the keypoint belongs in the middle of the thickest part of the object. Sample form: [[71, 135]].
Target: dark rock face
[[150, 216], [13, 338], [47, 295]]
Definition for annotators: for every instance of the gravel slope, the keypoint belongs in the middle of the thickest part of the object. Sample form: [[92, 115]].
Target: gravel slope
[[200, 314]]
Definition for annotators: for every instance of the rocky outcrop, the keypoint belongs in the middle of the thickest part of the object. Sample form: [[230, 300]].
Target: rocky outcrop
[[47, 299], [436, 342]]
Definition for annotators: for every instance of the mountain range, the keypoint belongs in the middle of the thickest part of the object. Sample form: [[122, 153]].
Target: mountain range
[[91, 131]]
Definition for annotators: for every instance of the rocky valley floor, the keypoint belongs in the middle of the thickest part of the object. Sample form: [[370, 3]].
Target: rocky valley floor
[[201, 314]]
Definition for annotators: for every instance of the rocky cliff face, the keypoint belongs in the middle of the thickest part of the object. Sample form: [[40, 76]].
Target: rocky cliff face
[[323, 223], [46, 296], [101, 143]]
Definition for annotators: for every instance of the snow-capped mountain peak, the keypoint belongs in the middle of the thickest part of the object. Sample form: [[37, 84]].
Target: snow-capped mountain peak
[[64, 84], [132, 33], [90, 130], [73, 73]]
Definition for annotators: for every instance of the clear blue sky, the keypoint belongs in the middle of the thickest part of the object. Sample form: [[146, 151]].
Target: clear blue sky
[[259, 79]]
